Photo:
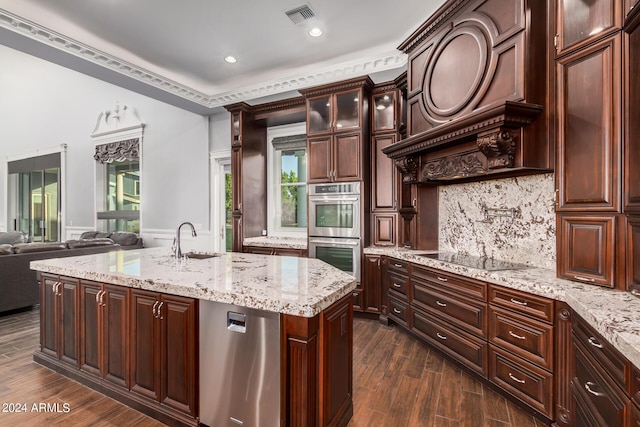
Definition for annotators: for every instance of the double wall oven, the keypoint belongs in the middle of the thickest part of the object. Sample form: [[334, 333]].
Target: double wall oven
[[334, 225]]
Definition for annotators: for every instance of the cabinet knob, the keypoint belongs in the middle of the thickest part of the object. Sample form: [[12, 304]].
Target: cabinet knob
[[515, 301], [441, 304], [594, 342], [584, 279], [155, 307], [442, 337], [520, 337], [589, 387], [396, 311], [442, 279]]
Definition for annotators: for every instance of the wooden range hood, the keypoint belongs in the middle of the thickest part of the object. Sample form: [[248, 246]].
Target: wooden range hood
[[477, 93]]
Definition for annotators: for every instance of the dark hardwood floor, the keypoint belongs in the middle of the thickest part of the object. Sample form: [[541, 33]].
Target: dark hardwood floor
[[397, 382]]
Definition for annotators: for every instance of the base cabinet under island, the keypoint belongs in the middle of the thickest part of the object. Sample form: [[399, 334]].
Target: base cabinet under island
[[142, 348]]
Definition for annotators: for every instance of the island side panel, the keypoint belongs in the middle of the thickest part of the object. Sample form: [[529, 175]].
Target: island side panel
[[318, 367]]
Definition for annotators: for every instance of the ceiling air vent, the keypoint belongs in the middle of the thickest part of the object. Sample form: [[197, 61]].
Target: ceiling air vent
[[300, 14]]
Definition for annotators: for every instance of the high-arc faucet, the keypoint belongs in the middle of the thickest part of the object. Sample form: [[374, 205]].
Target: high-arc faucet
[[176, 240]]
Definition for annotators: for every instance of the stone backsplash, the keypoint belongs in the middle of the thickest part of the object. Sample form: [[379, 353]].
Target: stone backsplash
[[509, 219]]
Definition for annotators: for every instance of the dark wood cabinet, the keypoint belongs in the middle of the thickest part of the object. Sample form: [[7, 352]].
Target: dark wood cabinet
[[589, 144], [59, 318], [248, 171], [335, 158], [632, 112], [104, 331], [633, 255], [601, 383], [164, 353], [337, 128], [385, 178], [521, 347], [371, 286], [586, 248]]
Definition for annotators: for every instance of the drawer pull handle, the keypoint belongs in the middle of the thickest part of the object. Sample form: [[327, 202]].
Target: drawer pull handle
[[584, 279], [395, 285], [441, 304], [396, 311], [635, 292], [442, 337], [588, 386], [516, 379], [520, 337], [397, 265], [594, 342], [515, 301], [442, 279]]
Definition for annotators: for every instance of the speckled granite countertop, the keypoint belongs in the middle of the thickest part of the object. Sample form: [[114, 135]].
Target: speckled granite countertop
[[277, 242], [614, 314], [296, 286]]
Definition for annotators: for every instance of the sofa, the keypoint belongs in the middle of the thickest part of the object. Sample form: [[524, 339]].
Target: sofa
[[19, 284]]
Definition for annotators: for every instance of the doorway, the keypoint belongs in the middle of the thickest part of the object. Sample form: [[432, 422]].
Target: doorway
[[34, 197], [221, 184]]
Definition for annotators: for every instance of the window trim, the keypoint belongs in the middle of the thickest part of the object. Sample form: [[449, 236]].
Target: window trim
[[273, 187]]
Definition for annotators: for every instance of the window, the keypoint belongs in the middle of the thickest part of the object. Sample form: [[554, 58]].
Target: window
[[287, 181], [118, 186]]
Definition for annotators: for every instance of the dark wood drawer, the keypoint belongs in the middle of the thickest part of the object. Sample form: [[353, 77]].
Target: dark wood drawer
[[527, 338], [634, 416], [598, 391], [529, 383], [397, 266], [458, 285], [398, 283], [398, 311], [635, 385], [466, 348], [612, 362], [532, 305], [469, 316]]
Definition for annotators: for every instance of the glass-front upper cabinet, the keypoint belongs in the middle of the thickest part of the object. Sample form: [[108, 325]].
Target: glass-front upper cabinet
[[384, 111], [583, 20], [235, 129], [320, 114], [334, 112]]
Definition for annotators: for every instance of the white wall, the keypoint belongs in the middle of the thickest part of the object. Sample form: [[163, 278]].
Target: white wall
[[220, 132], [43, 105]]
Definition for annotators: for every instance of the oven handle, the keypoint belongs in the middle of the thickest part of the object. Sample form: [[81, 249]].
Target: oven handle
[[341, 199], [333, 242]]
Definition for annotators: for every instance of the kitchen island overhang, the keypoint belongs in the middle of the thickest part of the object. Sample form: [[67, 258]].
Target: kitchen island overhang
[[127, 324]]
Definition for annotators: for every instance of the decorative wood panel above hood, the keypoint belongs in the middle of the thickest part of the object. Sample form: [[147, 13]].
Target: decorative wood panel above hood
[[477, 92]]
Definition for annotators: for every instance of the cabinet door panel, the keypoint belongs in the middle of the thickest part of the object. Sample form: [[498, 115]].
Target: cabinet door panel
[[347, 157], [633, 254], [116, 335], [384, 229], [90, 328], [69, 327], [372, 285], [589, 132], [586, 249], [383, 175], [48, 316], [178, 353], [145, 358], [632, 123], [319, 159]]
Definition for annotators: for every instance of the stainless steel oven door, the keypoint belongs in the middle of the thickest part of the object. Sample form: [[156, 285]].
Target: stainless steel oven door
[[334, 216], [343, 254]]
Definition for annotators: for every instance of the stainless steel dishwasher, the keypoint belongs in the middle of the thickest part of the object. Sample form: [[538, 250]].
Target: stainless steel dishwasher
[[239, 366]]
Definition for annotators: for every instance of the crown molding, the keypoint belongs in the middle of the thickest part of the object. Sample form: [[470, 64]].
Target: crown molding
[[315, 76]]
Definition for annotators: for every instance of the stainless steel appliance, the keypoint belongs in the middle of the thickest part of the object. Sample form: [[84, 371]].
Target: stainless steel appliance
[[340, 252], [334, 210], [239, 366]]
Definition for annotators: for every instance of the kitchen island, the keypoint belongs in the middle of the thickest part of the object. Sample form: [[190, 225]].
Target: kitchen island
[[136, 326]]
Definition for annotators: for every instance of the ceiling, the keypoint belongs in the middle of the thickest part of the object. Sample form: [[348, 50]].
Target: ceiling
[[174, 50]]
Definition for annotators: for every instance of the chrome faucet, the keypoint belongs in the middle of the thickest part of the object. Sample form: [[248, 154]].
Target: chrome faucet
[[177, 251]]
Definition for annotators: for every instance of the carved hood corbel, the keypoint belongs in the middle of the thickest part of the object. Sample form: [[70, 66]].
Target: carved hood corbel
[[408, 167]]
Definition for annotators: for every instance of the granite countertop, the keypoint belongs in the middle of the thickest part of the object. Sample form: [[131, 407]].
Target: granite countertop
[[288, 285], [614, 314], [277, 242]]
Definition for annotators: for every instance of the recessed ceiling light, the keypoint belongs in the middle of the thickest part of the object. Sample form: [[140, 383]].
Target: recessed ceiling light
[[315, 32], [230, 59]]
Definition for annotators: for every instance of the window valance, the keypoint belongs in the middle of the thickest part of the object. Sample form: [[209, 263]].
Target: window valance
[[291, 142], [118, 151]]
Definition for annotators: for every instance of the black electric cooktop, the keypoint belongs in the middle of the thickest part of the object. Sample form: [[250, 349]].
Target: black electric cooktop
[[480, 263]]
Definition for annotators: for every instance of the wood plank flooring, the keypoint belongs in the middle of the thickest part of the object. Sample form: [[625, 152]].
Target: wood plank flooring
[[397, 382]]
